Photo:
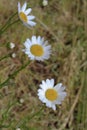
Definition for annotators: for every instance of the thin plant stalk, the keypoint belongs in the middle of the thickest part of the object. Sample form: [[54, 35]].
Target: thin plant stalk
[[9, 20], [9, 26], [29, 117], [14, 74], [4, 57]]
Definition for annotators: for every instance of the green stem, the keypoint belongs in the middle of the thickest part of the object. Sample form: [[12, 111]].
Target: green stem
[[28, 118], [8, 21], [9, 26], [5, 126], [5, 115], [4, 44], [4, 57], [14, 74]]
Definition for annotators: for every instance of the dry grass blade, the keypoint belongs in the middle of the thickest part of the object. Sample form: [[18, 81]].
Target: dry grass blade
[[71, 110]]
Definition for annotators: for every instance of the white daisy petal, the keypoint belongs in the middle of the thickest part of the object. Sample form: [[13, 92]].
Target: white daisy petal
[[52, 82], [43, 87], [31, 17], [31, 23], [26, 44], [42, 41], [58, 86], [50, 95], [54, 107], [48, 47], [19, 7], [28, 11], [27, 25], [48, 82], [29, 41], [39, 39], [58, 101], [24, 7], [48, 104], [34, 39], [62, 95]]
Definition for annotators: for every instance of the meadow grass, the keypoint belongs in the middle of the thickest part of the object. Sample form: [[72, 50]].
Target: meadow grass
[[64, 24]]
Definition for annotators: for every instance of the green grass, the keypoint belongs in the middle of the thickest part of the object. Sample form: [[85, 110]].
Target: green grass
[[64, 24]]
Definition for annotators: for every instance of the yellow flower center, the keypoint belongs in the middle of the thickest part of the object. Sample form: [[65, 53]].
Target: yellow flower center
[[51, 94], [37, 50], [23, 16]]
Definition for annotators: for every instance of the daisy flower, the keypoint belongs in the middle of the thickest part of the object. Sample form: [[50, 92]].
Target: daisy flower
[[13, 55], [37, 48], [12, 45], [24, 15], [50, 94], [18, 129], [45, 2]]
